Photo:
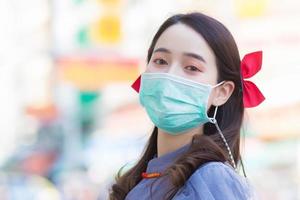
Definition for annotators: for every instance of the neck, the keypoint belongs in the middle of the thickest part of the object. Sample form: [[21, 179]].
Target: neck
[[167, 143]]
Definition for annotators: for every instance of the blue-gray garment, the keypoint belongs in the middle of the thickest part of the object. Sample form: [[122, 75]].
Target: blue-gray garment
[[211, 181]]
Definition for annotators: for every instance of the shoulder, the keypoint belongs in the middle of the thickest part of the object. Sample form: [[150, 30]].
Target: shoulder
[[217, 174], [216, 180], [212, 170]]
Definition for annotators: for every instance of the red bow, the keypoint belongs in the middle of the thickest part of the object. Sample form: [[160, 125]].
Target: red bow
[[250, 65], [136, 85]]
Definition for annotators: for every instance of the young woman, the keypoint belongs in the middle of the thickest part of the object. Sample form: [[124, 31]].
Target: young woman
[[194, 91]]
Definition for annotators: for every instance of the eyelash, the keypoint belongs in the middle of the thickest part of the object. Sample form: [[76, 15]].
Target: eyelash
[[159, 60], [192, 68]]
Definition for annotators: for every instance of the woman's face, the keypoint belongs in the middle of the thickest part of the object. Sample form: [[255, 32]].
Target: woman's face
[[183, 52]]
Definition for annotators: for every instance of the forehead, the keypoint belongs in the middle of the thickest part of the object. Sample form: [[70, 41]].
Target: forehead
[[180, 38]]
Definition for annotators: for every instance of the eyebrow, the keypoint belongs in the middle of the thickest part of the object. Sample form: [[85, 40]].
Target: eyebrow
[[197, 56]]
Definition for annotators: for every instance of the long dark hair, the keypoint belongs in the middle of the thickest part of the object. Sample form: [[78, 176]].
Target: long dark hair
[[208, 146]]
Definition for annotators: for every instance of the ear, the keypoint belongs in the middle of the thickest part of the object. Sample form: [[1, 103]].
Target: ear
[[223, 93]]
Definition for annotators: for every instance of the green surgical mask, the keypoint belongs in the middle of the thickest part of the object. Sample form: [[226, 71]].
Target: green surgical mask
[[175, 104]]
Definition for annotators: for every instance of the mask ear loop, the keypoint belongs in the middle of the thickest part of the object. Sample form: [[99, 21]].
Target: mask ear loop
[[215, 122]]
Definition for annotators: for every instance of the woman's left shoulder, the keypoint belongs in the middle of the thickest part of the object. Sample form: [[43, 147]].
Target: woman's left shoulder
[[212, 171], [216, 181]]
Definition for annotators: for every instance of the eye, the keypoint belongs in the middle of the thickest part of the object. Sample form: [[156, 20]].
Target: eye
[[160, 61], [192, 68]]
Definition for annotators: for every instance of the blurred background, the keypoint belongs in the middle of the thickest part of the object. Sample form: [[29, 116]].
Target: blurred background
[[69, 119]]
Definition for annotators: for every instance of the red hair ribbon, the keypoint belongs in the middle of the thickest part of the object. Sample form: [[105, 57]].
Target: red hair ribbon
[[250, 65], [136, 85]]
